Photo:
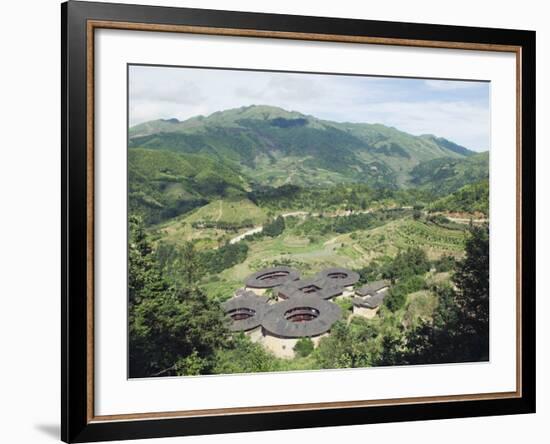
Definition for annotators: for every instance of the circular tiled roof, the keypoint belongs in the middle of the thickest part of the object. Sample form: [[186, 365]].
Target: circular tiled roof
[[316, 317], [322, 288], [245, 311], [341, 277], [272, 277]]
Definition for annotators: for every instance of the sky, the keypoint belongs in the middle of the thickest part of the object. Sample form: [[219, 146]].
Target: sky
[[456, 110]]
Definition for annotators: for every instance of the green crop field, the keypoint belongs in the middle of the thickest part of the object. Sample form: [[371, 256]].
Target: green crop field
[[405, 233], [233, 212]]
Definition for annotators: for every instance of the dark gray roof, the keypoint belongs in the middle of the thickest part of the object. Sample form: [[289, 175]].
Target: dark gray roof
[[275, 318], [341, 277], [246, 301], [370, 301], [321, 288], [371, 288], [272, 277]]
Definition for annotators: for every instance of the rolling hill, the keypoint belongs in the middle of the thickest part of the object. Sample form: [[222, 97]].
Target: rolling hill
[[274, 146], [164, 184], [176, 166], [446, 175]]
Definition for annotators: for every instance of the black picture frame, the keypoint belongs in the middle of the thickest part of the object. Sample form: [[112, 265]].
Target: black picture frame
[[76, 423]]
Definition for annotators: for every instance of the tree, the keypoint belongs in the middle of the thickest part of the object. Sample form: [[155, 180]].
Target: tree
[[410, 262], [348, 346], [436, 341], [303, 347], [241, 355], [459, 331], [444, 263], [190, 259], [171, 329], [275, 227], [395, 299], [143, 274], [472, 298], [391, 353]]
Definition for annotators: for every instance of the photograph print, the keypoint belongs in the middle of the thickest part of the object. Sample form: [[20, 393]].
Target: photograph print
[[284, 221]]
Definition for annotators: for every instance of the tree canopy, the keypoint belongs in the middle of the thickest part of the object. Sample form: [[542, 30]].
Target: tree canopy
[[173, 329]]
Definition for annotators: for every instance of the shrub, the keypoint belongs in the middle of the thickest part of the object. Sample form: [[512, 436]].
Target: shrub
[[407, 263], [444, 263], [398, 293], [346, 305], [304, 347]]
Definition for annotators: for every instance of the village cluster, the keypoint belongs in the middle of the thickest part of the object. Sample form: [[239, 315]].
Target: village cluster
[[299, 308]]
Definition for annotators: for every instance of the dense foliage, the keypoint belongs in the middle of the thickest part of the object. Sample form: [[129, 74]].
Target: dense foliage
[[459, 330], [303, 347], [172, 329], [352, 197], [274, 228], [187, 264], [397, 295], [446, 175], [348, 346], [470, 199]]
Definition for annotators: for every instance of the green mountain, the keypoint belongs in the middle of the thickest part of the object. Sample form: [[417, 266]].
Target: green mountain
[[470, 198], [273, 146], [176, 166], [164, 184], [448, 144], [446, 175]]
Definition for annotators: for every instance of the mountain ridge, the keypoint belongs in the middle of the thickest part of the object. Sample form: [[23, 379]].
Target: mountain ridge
[[177, 165], [261, 137]]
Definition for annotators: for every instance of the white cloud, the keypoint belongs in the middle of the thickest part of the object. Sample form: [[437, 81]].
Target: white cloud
[[451, 85], [458, 111], [461, 122]]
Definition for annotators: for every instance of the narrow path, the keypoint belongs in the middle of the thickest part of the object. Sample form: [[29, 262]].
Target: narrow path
[[295, 213], [220, 212], [240, 237], [463, 220], [304, 214]]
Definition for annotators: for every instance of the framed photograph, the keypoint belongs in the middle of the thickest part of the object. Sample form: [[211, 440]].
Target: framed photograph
[[276, 221]]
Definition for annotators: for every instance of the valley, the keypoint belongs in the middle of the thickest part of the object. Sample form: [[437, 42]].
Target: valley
[[221, 197], [344, 194]]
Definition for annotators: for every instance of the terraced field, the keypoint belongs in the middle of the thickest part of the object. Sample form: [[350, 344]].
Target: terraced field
[[401, 234], [351, 250]]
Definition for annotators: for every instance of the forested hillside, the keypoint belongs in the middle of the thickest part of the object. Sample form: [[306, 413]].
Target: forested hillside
[[253, 151]]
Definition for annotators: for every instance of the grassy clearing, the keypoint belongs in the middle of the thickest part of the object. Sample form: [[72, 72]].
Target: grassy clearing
[[234, 212], [420, 306], [180, 230]]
